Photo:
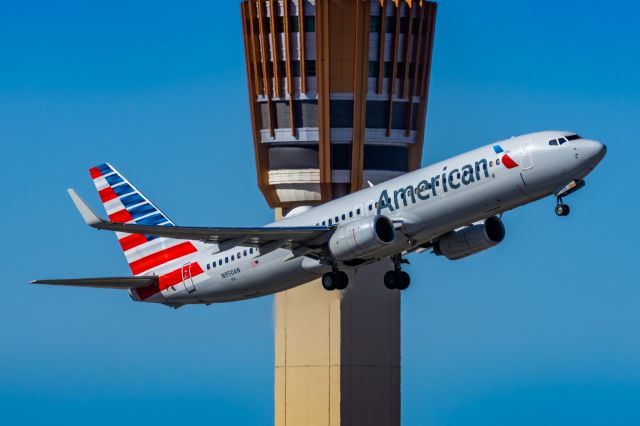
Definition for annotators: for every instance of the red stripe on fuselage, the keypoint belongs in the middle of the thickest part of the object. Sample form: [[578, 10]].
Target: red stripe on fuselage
[[95, 172], [160, 258], [167, 280], [122, 216], [131, 241], [107, 194]]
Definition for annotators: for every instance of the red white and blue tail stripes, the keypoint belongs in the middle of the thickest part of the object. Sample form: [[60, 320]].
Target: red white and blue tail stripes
[[145, 254]]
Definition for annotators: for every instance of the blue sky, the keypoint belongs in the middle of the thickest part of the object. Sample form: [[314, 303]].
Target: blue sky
[[543, 329]]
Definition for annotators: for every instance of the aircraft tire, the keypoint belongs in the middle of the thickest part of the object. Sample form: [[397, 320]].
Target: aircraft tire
[[391, 280], [405, 280], [559, 210], [566, 210], [329, 281], [342, 280]]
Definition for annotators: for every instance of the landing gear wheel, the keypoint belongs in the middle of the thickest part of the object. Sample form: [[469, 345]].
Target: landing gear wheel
[[562, 210], [559, 209], [329, 281], [391, 280], [335, 280], [405, 280], [341, 279]]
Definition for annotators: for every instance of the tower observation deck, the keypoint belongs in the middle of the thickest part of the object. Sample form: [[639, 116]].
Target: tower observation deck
[[338, 93]]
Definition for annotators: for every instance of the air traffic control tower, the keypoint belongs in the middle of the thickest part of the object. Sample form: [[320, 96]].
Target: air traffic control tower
[[338, 97]]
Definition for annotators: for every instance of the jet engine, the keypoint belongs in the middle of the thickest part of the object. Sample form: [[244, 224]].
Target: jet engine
[[471, 239], [362, 238]]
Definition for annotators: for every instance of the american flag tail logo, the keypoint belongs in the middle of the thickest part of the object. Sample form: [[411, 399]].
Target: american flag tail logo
[[146, 254]]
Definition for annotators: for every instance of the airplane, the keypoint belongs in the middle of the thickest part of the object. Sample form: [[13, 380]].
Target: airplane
[[453, 208]]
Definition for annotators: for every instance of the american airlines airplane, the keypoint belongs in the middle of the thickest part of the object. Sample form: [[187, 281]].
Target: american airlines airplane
[[452, 207]]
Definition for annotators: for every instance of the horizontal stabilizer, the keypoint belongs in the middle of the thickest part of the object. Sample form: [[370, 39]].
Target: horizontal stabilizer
[[123, 283]]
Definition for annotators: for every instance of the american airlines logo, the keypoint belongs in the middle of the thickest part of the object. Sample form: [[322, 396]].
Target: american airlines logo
[[507, 161], [449, 180]]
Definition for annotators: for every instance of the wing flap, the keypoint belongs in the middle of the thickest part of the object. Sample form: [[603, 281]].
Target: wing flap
[[122, 283]]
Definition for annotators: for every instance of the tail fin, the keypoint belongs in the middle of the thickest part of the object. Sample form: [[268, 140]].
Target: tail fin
[[145, 254]]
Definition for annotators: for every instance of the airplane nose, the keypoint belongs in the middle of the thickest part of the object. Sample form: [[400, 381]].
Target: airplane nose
[[592, 151]]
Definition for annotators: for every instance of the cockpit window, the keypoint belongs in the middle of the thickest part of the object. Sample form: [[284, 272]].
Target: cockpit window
[[573, 137], [561, 140], [553, 142]]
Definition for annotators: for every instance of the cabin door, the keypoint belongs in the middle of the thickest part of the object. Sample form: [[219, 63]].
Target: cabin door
[[187, 280], [525, 155]]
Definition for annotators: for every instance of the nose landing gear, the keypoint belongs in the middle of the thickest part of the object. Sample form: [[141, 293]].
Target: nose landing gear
[[562, 209]]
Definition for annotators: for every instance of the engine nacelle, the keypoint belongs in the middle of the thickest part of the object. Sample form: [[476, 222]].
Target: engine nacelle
[[362, 238], [471, 239]]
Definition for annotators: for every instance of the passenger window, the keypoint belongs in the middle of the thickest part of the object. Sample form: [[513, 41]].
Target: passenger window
[[226, 260], [491, 163], [497, 162], [324, 223], [350, 214], [244, 253], [232, 258], [251, 250], [238, 255], [337, 219], [213, 265], [208, 266], [370, 207], [330, 222], [344, 217], [358, 212], [220, 262]]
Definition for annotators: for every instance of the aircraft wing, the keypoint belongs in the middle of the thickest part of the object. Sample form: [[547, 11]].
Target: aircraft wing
[[123, 283], [296, 234]]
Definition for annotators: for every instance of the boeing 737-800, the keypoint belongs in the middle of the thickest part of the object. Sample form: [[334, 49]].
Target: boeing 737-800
[[451, 207]]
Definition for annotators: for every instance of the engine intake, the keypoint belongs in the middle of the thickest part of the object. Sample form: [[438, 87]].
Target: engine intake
[[471, 239], [362, 238]]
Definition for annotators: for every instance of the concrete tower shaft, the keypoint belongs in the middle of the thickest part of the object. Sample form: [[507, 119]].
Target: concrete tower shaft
[[338, 93]]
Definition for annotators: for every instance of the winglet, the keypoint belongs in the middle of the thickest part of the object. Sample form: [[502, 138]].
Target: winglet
[[89, 216]]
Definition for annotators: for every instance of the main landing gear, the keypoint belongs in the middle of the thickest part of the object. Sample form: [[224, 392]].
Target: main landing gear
[[397, 279], [562, 209], [335, 280]]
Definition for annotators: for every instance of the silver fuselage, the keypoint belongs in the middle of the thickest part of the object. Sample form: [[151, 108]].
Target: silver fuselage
[[449, 200]]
